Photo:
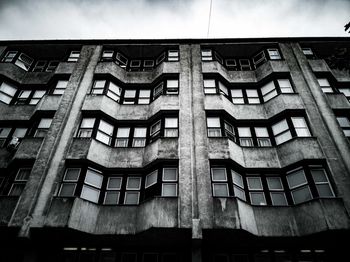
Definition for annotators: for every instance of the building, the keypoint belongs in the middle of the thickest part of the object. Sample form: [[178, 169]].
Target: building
[[220, 150]]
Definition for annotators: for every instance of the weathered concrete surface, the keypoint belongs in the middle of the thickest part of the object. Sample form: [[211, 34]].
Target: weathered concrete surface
[[7, 205], [65, 68], [28, 148], [137, 77], [20, 112], [266, 110], [129, 112], [245, 76], [49, 102], [292, 151], [308, 218], [88, 217], [318, 65], [112, 157]]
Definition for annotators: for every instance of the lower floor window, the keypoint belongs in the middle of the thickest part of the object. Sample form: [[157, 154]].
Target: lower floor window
[[116, 188], [277, 188], [13, 182]]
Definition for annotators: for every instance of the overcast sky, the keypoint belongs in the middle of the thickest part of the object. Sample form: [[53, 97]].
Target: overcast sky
[[102, 19]]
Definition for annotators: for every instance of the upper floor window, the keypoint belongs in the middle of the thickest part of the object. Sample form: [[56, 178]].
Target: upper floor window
[[73, 56], [60, 87], [19, 59], [344, 123], [43, 127], [308, 52], [274, 54], [325, 85], [136, 134], [277, 188], [12, 182], [249, 95], [7, 92], [114, 188], [12, 135]]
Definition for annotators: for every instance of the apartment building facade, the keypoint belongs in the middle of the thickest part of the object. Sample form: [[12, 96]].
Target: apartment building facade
[[175, 150]]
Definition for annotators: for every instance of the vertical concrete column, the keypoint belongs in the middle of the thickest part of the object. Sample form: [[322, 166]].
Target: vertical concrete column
[[322, 121], [40, 186]]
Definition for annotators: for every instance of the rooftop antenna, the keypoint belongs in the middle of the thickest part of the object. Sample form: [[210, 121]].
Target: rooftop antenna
[[211, 3]]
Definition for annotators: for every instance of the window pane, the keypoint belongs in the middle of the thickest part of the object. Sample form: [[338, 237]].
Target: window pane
[[209, 83], [130, 93], [45, 123], [171, 122], [302, 132], [254, 183], [319, 175], [131, 198], [72, 174], [252, 93], [114, 183], [140, 132], [219, 174], [285, 86], [8, 89], [323, 82], [214, 132], [24, 94], [102, 137], [106, 127], [267, 88], [274, 183], [278, 199], [237, 179], [93, 178], [133, 183], [299, 122], [172, 83], [223, 88], [220, 190], [114, 88], [264, 142], [244, 132], [4, 131], [238, 192], [155, 128], [301, 194], [6, 99], [23, 174], [123, 132], [111, 198], [343, 121], [90, 194], [151, 179], [87, 123], [296, 178], [67, 190], [39, 94], [261, 132], [280, 127], [213, 122], [283, 137], [62, 84], [345, 91], [16, 189], [169, 190], [257, 198], [145, 93], [236, 93], [169, 174], [324, 190], [270, 95]]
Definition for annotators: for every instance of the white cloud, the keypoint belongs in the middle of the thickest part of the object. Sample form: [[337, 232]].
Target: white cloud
[[76, 19]]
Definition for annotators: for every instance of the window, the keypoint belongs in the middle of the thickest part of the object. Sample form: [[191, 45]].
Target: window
[[223, 89], [60, 87], [171, 127], [231, 64], [122, 137], [308, 52], [43, 127], [139, 137], [209, 86], [253, 96], [73, 56], [7, 92], [245, 64], [144, 97], [98, 87], [132, 193], [112, 194], [155, 129], [151, 179], [158, 91], [129, 97], [281, 132], [219, 182], [268, 91], [300, 126], [11, 136], [23, 97], [285, 86], [121, 60], [259, 59], [39, 66], [214, 127], [173, 55], [256, 193], [169, 182], [299, 187], [245, 136], [237, 96], [229, 131], [275, 186], [52, 66], [172, 87], [160, 58], [274, 54], [207, 55], [322, 183], [104, 132], [113, 91], [325, 86], [92, 186], [238, 185], [345, 91], [86, 127], [344, 123], [9, 57], [107, 55], [69, 182], [36, 97], [23, 61], [19, 182], [4, 132], [262, 136]]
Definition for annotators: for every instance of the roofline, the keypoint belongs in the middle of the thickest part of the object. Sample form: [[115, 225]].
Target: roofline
[[177, 41]]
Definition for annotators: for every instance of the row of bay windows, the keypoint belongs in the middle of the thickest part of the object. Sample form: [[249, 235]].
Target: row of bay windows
[[259, 134], [135, 94], [139, 64], [13, 133], [248, 95], [128, 133], [11, 94], [118, 188], [330, 86], [273, 188], [28, 63], [241, 63]]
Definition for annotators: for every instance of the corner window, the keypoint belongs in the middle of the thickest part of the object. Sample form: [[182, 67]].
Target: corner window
[[60, 87], [322, 183], [281, 132], [104, 132], [207, 55], [129, 97], [69, 182], [19, 182], [37, 96], [171, 127], [209, 86], [92, 186], [262, 136], [173, 55], [325, 85], [73, 56], [139, 137], [274, 54], [155, 129], [214, 127], [237, 96], [112, 195], [151, 179], [7, 92], [238, 185], [172, 87], [169, 182], [344, 123], [132, 193], [86, 127], [299, 187], [300, 127], [43, 127], [219, 182], [144, 97], [268, 91]]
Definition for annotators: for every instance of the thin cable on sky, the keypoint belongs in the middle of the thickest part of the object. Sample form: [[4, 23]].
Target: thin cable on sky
[[211, 2]]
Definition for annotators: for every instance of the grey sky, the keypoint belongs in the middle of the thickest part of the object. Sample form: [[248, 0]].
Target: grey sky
[[77, 19]]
